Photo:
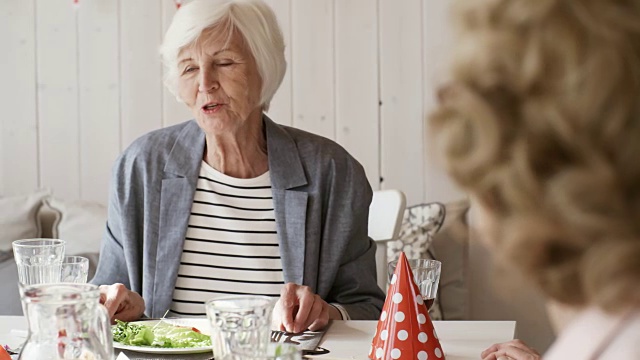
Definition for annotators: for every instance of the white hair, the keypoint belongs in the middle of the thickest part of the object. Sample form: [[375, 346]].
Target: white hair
[[253, 19]]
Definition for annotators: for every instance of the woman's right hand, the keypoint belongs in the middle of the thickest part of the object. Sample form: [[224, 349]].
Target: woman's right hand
[[511, 350], [121, 303]]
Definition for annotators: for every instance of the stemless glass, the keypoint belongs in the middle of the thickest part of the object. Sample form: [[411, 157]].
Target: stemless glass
[[426, 274], [240, 324], [38, 260], [74, 269], [273, 352]]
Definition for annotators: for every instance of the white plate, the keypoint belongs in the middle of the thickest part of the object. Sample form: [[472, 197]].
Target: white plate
[[200, 324]]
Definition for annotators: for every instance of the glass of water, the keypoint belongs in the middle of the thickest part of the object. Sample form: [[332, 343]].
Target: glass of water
[[274, 352], [240, 324], [74, 269], [38, 260]]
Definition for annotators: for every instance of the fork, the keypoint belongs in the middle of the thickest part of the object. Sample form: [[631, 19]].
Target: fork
[[276, 335], [16, 350], [161, 320]]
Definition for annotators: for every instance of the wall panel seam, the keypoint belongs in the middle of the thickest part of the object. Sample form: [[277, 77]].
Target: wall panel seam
[[78, 98], [37, 95], [119, 35], [379, 73]]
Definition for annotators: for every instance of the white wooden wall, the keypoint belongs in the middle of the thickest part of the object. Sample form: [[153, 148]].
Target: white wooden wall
[[77, 85]]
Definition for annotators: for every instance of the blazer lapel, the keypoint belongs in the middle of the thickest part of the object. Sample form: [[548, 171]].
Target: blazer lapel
[[290, 205], [178, 188]]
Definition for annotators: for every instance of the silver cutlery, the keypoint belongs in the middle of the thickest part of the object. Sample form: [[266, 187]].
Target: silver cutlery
[[276, 335]]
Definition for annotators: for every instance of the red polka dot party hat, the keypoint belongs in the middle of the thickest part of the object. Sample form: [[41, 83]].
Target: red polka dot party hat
[[405, 330]]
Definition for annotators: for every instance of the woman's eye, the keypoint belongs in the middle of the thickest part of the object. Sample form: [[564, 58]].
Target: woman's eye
[[226, 63], [189, 69]]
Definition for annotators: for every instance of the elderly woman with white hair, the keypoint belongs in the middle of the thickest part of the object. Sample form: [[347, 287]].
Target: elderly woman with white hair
[[231, 202]]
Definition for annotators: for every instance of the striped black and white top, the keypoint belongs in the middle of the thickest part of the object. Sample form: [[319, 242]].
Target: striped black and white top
[[231, 245]]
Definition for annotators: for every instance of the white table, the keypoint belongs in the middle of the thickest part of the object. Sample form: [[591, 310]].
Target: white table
[[349, 340], [459, 339]]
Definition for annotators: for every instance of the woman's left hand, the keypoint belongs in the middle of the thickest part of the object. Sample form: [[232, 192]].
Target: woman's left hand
[[299, 309], [511, 350]]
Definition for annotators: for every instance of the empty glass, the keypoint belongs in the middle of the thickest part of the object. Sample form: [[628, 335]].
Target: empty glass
[[426, 274], [240, 324], [38, 260], [74, 269]]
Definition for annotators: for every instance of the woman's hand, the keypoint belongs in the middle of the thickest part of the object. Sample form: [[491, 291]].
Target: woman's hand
[[512, 350], [299, 309], [121, 303]]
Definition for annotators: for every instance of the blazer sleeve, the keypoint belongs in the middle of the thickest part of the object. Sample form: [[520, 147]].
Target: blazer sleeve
[[355, 285], [112, 266]]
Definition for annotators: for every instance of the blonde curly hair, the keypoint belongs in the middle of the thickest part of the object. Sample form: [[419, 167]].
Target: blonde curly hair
[[542, 125]]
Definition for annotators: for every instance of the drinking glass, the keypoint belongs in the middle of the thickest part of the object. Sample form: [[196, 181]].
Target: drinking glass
[[240, 324], [74, 269], [38, 260], [273, 352], [426, 274]]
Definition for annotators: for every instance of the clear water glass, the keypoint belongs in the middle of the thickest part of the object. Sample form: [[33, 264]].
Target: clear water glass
[[273, 352], [74, 269], [38, 260], [240, 324]]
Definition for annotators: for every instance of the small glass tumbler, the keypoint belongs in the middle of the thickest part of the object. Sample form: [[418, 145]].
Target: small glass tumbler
[[273, 352], [38, 260], [426, 274], [74, 269], [240, 324]]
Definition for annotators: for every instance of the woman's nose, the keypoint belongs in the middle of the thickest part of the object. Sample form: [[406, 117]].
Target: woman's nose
[[208, 81]]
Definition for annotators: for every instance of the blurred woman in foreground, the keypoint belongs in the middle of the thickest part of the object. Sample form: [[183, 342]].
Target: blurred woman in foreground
[[541, 124]]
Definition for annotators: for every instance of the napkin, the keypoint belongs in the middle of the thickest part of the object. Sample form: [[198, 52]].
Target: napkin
[[405, 330], [306, 341]]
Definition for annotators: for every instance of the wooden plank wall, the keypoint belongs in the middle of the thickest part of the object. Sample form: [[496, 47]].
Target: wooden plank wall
[[79, 84]]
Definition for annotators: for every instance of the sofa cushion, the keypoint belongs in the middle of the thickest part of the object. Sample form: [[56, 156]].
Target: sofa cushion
[[451, 246], [80, 223], [18, 218], [10, 300], [419, 224]]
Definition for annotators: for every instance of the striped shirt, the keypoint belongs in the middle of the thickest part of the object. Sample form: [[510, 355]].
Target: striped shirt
[[231, 245]]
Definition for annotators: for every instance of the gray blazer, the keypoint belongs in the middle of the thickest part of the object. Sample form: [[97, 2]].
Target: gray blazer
[[321, 201]]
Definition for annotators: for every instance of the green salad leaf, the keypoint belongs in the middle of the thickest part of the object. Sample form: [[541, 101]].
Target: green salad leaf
[[163, 335]]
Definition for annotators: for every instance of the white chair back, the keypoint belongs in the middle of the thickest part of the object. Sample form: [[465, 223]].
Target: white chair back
[[385, 217]]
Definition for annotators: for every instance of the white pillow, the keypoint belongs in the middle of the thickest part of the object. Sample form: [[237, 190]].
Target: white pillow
[[18, 218], [80, 223]]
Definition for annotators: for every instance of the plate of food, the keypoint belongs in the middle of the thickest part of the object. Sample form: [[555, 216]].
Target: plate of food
[[166, 336]]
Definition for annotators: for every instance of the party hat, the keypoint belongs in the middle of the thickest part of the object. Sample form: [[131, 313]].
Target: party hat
[[405, 330]]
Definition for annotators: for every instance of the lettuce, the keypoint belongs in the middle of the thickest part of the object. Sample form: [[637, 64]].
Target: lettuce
[[163, 335]]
